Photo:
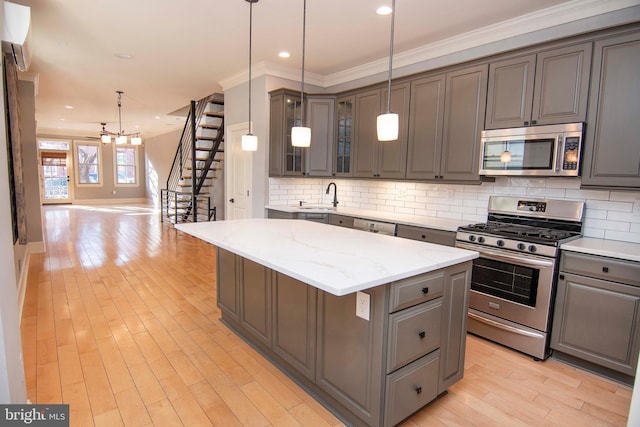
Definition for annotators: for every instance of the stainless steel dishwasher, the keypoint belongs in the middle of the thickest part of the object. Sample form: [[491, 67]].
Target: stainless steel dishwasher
[[379, 227]]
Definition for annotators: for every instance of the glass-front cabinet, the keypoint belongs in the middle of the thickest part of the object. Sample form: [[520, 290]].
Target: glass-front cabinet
[[286, 112], [344, 116]]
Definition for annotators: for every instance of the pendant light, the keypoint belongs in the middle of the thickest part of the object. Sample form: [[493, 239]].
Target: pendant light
[[301, 135], [388, 123], [249, 141]]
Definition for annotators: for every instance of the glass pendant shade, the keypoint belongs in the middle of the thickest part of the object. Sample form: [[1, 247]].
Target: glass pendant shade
[[136, 140], [105, 139], [249, 142], [505, 156], [121, 139], [387, 125], [301, 136]]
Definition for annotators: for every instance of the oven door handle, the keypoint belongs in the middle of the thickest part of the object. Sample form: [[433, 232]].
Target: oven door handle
[[501, 256], [503, 326]]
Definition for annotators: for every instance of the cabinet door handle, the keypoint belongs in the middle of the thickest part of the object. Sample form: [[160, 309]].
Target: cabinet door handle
[[605, 269], [534, 122], [418, 390], [424, 237], [561, 277], [425, 290], [422, 334], [526, 123]]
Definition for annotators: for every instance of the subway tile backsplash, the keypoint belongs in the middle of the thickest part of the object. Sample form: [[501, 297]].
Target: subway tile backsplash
[[613, 215]]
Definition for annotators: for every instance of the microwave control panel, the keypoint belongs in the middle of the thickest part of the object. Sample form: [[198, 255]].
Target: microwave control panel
[[571, 153]]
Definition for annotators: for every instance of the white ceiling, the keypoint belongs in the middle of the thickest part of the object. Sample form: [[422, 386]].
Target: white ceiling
[[183, 49]]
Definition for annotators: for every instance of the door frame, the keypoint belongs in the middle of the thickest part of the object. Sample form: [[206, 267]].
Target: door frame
[[70, 171]]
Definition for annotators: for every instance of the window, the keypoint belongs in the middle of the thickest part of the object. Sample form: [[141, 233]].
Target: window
[[126, 164], [88, 163]]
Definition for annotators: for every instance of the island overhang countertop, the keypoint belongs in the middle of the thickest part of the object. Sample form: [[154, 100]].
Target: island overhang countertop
[[334, 259]]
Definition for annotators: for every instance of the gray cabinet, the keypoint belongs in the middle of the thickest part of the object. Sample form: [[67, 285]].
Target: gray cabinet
[[341, 220], [429, 235], [539, 89], [294, 323], [344, 136], [275, 214], [255, 300], [285, 113], [464, 108], [612, 146], [426, 118], [320, 111], [597, 313], [228, 296], [373, 158]]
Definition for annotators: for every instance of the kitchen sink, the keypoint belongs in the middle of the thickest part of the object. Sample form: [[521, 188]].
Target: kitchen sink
[[318, 207]]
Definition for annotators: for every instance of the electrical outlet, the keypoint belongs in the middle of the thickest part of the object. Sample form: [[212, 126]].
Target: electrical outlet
[[362, 305]]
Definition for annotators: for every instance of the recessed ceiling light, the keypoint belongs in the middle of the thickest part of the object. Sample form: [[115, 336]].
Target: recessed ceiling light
[[68, 107], [158, 117], [123, 55], [383, 10], [284, 54]]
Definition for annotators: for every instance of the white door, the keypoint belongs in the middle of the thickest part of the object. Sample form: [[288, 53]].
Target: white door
[[238, 174], [55, 173]]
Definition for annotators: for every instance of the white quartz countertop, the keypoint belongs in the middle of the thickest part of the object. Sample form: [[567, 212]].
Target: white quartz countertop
[[445, 224], [334, 259], [608, 248]]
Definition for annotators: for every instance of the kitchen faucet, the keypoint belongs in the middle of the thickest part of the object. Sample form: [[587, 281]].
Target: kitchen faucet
[[335, 193]]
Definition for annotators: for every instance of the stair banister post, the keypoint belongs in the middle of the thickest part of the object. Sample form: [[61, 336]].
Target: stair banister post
[[194, 208]]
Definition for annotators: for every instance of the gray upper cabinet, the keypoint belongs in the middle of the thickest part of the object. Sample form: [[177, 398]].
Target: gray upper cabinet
[[548, 88], [426, 116], [373, 158], [612, 146], [465, 95], [285, 113], [320, 111], [344, 137]]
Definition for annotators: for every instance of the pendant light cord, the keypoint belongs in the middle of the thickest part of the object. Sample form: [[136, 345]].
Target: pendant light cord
[[304, 27], [250, 38], [393, 16], [119, 112]]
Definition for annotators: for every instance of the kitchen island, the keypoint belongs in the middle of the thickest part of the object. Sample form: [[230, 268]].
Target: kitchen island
[[372, 326]]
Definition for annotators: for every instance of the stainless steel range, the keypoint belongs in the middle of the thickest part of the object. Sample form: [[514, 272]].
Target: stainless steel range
[[513, 281]]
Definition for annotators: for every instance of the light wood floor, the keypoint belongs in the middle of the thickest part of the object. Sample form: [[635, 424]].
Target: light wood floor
[[120, 321]]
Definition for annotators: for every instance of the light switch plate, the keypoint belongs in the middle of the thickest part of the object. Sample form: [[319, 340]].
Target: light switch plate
[[362, 305]]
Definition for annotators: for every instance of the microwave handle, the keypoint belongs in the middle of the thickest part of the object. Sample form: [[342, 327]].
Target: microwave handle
[[559, 160]]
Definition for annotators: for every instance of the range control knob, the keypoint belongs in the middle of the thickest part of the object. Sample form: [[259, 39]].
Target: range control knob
[[532, 248], [480, 239], [521, 246], [500, 243], [472, 238]]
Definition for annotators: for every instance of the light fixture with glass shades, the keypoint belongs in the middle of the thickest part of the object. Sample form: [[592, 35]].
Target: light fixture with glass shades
[[301, 135], [120, 136], [249, 141], [388, 123]]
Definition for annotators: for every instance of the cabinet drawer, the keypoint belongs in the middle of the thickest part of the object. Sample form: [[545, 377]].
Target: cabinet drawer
[[413, 333], [410, 388], [440, 237], [341, 220], [415, 290], [616, 270]]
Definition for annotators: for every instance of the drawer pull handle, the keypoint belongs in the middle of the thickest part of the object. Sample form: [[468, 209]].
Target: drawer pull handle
[[425, 290], [605, 269], [418, 390], [422, 334]]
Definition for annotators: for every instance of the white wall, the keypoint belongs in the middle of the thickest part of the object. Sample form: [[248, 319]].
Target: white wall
[[159, 152], [613, 215], [12, 383]]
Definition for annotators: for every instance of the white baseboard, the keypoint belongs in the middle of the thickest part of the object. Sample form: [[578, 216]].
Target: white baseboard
[[32, 248], [134, 200]]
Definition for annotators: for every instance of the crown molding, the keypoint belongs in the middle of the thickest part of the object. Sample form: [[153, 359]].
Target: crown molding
[[554, 16]]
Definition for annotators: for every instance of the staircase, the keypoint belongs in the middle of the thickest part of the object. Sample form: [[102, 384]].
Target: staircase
[[195, 168]]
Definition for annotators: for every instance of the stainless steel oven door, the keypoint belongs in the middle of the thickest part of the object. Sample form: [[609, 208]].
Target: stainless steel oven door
[[511, 286]]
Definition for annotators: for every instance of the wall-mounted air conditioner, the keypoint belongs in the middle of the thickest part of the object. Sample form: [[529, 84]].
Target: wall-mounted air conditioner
[[17, 32]]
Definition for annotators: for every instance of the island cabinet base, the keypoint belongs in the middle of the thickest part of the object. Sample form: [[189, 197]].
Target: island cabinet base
[[374, 372]]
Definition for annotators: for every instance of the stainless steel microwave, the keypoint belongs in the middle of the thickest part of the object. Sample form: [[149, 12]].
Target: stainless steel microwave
[[553, 150]]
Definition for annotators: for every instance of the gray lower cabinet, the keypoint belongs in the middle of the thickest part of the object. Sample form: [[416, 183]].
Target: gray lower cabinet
[[275, 214], [539, 89], [429, 235], [597, 313], [374, 373], [341, 220], [612, 146]]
